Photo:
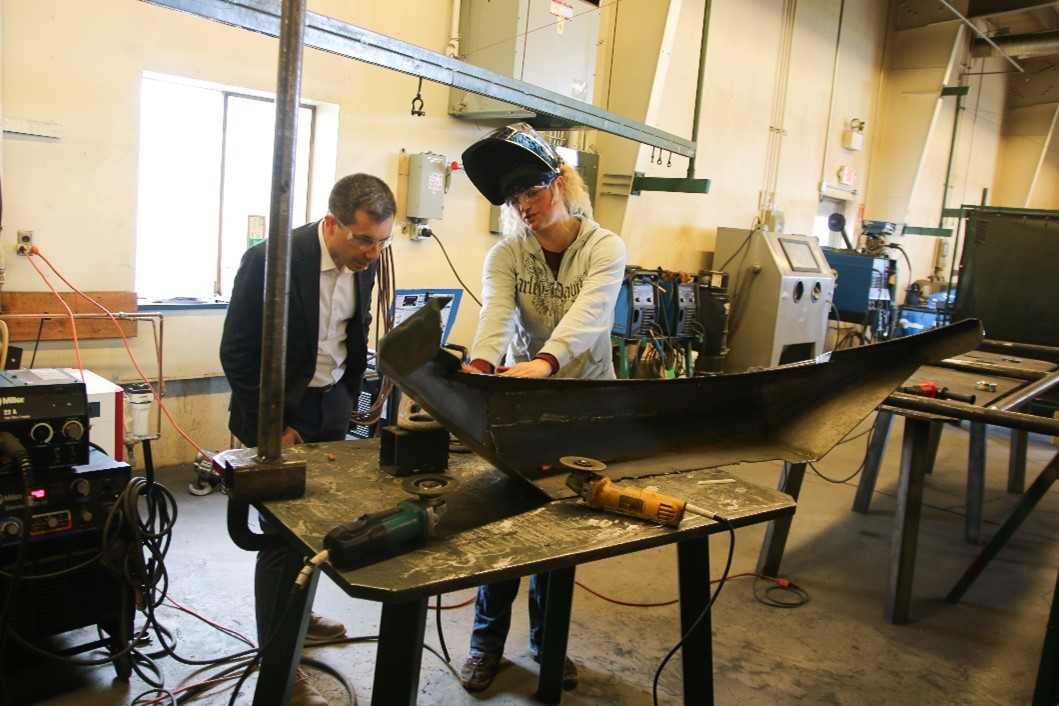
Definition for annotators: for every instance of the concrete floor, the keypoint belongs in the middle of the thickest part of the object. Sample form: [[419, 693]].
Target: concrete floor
[[835, 649]]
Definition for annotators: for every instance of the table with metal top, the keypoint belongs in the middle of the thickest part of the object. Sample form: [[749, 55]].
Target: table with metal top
[[1010, 383], [493, 528], [997, 381]]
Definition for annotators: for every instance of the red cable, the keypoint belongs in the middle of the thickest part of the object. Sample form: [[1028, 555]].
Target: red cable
[[36, 251], [73, 322]]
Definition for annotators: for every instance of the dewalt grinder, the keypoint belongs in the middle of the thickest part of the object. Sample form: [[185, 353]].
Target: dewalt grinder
[[600, 493]]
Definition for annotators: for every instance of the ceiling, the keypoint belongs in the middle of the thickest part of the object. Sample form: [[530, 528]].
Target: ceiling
[[1019, 29]]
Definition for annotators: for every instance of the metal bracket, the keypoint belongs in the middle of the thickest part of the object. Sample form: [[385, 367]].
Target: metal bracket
[[668, 184], [251, 479]]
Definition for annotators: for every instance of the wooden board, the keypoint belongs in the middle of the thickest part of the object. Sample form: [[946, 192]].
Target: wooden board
[[51, 322]]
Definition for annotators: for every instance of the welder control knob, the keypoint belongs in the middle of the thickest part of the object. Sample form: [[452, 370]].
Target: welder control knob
[[41, 432], [73, 429], [10, 528], [81, 486], [429, 485], [581, 463]]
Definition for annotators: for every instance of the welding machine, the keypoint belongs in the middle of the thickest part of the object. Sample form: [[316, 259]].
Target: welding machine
[[676, 306], [47, 411], [64, 585], [635, 312]]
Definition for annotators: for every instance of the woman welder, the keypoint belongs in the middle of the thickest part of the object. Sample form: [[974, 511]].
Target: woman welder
[[548, 289]]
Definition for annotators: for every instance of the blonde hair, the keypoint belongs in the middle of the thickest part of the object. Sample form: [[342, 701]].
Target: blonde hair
[[575, 198]]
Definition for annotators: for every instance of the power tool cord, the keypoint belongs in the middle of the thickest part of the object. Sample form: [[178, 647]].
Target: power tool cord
[[705, 611]]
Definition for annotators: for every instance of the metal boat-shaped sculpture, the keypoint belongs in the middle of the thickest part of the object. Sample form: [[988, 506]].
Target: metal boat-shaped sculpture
[[640, 428]]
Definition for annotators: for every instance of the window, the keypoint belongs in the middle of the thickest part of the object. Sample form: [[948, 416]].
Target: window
[[205, 184], [821, 227]]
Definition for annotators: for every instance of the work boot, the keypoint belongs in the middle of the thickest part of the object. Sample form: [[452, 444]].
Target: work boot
[[303, 693], [322, 628], [478, 672], [570, 677]]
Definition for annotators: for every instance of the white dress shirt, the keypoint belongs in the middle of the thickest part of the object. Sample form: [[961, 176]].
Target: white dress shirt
[[338, 302]]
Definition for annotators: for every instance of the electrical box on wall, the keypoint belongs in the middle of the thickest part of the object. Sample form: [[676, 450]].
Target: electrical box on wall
[[853, 135], [548, 43], [428, 178], [852, 140]]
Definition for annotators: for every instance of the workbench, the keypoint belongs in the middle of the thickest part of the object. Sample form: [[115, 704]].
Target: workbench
[[493, 528], [1010, 383]]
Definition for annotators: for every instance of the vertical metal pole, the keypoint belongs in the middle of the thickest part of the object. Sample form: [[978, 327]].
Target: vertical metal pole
[[698, 85], [915, 460], [778, 530], [693, 577], [277, 262], [952, 157], [976, 465]]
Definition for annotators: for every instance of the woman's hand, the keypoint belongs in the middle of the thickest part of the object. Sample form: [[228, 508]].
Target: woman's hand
[[535, 368]]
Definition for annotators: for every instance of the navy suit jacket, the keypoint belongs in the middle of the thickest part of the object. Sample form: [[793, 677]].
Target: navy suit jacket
[[241, 340]]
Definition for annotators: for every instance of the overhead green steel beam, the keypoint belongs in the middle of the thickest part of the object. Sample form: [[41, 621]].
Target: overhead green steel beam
[[670, 184], [331, 35], [921, 230]]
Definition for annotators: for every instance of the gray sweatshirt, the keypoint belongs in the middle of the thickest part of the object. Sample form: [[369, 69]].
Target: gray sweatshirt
[[527, 310]]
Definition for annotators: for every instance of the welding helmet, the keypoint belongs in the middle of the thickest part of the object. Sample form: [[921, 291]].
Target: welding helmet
[[509, 160]]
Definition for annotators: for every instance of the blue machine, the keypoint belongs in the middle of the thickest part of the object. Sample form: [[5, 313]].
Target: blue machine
[[408, 301], [677, 310], [635, 312], [863, 288], [915, 319]]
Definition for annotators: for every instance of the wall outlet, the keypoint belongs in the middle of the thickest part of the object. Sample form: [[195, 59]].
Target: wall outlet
[[25, 242]]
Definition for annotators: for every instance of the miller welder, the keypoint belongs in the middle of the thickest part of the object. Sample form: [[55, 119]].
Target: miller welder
[[47, 411], [635, 311], [677, 310], [56, 495]]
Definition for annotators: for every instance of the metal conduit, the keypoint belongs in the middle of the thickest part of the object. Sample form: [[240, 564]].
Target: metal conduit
[[1027, 394], [277, 262], [961, 410], [1020, 45]]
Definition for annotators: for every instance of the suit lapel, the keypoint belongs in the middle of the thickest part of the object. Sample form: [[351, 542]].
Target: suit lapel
[[305, 279]]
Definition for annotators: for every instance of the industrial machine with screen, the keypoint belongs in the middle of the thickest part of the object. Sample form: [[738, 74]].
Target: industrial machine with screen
[[864, 287], [405, 303], [408, 301], [780, 287]]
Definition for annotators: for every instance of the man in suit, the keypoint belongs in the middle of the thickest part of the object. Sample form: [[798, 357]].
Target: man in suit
[[332, 271]]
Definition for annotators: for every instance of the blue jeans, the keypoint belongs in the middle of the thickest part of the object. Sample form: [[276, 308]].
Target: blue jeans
[[492, 616]]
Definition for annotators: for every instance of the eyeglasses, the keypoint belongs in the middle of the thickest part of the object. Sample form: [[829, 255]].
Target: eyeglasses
[[364, 242], [530, 194]]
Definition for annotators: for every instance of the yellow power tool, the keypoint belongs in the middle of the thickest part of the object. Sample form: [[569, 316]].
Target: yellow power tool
[[600, 493]]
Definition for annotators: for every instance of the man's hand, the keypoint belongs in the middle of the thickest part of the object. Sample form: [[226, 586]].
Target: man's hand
[[290, 437], [535, 368]]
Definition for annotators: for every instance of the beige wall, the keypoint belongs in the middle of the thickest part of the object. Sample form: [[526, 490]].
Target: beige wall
[[78, 65], [833, 77]]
